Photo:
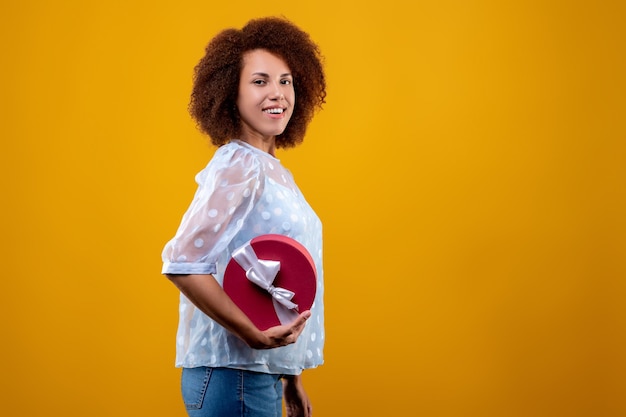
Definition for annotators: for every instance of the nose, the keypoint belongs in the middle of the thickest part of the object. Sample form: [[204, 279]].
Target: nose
[[277, 94]]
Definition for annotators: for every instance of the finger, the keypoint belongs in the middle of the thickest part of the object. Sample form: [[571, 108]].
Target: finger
[[302, 318], [298, 324], [288, 334]]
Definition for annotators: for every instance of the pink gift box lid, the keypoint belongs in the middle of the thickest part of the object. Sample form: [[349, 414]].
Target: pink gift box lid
[[297, 273]]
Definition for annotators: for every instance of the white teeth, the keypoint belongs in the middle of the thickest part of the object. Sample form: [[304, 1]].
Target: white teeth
[[274, 111]]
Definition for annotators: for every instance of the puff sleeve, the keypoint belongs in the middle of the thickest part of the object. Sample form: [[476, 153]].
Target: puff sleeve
[[226, 193]]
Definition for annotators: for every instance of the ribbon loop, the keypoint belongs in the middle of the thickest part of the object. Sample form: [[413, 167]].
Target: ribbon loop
[[262, 272]]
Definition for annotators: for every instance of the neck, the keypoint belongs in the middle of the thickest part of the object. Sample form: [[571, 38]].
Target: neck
[[266, 144]]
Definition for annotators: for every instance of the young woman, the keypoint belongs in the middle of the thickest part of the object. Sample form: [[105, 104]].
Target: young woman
[[255, 91]]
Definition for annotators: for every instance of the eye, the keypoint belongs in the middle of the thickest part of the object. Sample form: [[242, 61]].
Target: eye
[[285, 81], [259, 82]]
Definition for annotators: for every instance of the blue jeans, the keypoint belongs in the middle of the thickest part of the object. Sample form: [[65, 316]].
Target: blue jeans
[[225, 392]]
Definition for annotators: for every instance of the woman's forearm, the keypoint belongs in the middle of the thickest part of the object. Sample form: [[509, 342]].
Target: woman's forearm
[[207, 295]]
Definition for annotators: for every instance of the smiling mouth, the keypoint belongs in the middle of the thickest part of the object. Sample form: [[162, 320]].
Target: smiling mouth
[[276, 110]]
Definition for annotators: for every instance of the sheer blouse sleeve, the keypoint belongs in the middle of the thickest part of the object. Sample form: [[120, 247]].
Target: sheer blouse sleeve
[[227, 189]]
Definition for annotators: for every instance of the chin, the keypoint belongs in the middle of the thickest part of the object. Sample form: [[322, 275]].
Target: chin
[[278, 132]]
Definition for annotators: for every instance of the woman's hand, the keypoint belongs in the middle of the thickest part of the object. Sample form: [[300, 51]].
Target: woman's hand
[[297, 402], [283, 335]]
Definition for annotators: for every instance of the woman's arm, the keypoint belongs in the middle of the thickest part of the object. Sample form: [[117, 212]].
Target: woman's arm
[[297, 401], [207, 295]]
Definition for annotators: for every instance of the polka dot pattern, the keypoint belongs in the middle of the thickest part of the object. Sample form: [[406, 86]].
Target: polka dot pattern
[[242, 193]]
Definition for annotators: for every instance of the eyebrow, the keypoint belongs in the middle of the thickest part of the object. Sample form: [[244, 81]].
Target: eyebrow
[[263, 74]]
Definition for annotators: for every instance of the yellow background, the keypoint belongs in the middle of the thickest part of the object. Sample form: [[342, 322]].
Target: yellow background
[[469, 168]]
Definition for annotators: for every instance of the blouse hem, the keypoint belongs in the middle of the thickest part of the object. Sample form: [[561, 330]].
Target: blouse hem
[[258, 367]]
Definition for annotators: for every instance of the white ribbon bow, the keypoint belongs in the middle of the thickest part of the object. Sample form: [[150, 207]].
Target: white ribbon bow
[[263, 272]]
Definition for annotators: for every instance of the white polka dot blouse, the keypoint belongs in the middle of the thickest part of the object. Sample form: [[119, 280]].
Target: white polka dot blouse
[[242, 193]]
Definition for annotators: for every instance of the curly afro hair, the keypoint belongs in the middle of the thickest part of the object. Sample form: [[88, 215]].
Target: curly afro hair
[[216, 78]]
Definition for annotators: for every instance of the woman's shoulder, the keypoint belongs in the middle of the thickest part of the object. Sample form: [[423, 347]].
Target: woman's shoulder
[[238, 149], [232, 153], [233, 159], [237, 152]]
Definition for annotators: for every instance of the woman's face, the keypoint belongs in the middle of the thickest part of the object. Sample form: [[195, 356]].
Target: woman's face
[[266, 95]]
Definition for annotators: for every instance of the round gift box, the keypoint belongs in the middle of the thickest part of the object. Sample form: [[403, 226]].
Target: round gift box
[[297, 274]]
